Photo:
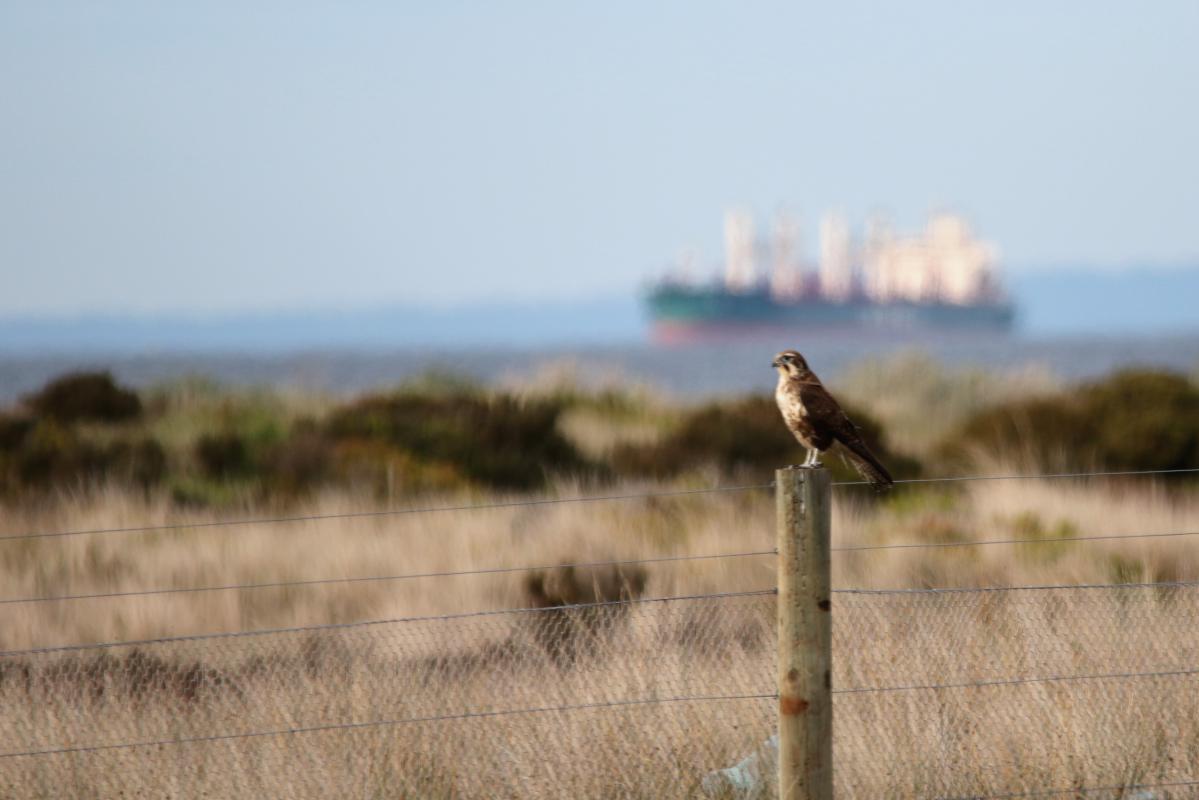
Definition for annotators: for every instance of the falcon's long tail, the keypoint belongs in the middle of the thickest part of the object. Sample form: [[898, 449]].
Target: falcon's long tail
[[867, 465]]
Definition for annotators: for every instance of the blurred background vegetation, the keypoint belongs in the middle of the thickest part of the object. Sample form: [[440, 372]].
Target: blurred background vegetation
[[202, 445]]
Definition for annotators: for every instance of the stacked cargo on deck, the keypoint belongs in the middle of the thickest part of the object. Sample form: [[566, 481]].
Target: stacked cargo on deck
[[941, 277]]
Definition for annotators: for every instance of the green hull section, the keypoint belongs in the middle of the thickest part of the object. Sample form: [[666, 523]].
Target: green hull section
[[676, 309]]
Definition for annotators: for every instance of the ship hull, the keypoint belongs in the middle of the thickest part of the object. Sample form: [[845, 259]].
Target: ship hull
[[685, 315]]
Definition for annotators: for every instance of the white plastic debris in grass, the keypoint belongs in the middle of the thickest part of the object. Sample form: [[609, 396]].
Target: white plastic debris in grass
[[748, 779]]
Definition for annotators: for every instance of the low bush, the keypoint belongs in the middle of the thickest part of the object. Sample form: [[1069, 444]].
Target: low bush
[[141, 462], [497, 441], [85, 396], [53, 456], [298, 463], [222, 456], [745, 435], [1144, 420], [1132, 420], [581, 605], [13, 430], [386, 471]]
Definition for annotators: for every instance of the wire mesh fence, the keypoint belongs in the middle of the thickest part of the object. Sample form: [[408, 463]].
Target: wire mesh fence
[[519, 703], [936, 694], [980, 692], [972, 693]]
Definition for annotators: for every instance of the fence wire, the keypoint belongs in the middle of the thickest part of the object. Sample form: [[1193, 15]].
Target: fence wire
[[580, 564], [976, 693], [979, 692], [527, 703], [1126, 791], [937, 694], [396, 512], [381, 578], [1039, 540], [389, 512]]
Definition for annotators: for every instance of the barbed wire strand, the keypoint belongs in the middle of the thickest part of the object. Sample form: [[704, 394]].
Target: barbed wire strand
[[611, 704], [387, 722], [545, 502], [1028, 588], [615, 562], [495, 612], [389, 512], [377, 578], [1077, 790], [982, 542], [1017, 681], [1053, 475], [196, 637]]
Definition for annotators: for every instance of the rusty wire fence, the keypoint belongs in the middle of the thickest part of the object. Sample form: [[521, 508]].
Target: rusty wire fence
[[1088, 691]]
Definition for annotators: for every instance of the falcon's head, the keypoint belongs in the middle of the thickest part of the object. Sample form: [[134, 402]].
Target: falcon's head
[[790, 363]]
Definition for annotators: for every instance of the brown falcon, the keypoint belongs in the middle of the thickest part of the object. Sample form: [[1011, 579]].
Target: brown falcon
[[818, 421]]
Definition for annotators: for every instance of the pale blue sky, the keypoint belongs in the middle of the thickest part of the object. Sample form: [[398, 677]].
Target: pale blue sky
[[225, 155]]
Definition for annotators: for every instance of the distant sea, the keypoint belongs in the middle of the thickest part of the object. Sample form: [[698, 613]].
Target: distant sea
[[1072, 322], [693, 370]]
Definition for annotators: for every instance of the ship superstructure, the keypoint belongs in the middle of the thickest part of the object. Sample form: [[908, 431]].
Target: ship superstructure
[[941, 277]]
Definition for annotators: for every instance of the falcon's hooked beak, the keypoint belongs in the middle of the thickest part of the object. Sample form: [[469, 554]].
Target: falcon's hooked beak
[[775, 364]]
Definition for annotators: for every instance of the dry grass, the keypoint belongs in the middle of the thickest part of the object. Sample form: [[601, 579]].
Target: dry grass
[[919, 743]]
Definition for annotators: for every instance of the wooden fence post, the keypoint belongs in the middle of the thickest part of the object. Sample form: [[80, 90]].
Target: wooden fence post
[[802, 497]]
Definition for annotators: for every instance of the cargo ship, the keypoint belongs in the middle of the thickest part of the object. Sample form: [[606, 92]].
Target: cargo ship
[[942, 279]]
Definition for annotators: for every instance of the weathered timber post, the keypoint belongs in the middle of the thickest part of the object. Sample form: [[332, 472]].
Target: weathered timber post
[[802, 496]]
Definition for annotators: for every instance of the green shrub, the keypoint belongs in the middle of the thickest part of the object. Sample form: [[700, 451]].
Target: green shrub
[[187, 491], [300, 462], [745, 435], [1042, 430], [1132, 420], [1144, 420], [53, 456], [498, 441], [386, 471], [287, 465], [85, 396], [13, 430], [141, 463], [222, 456]]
